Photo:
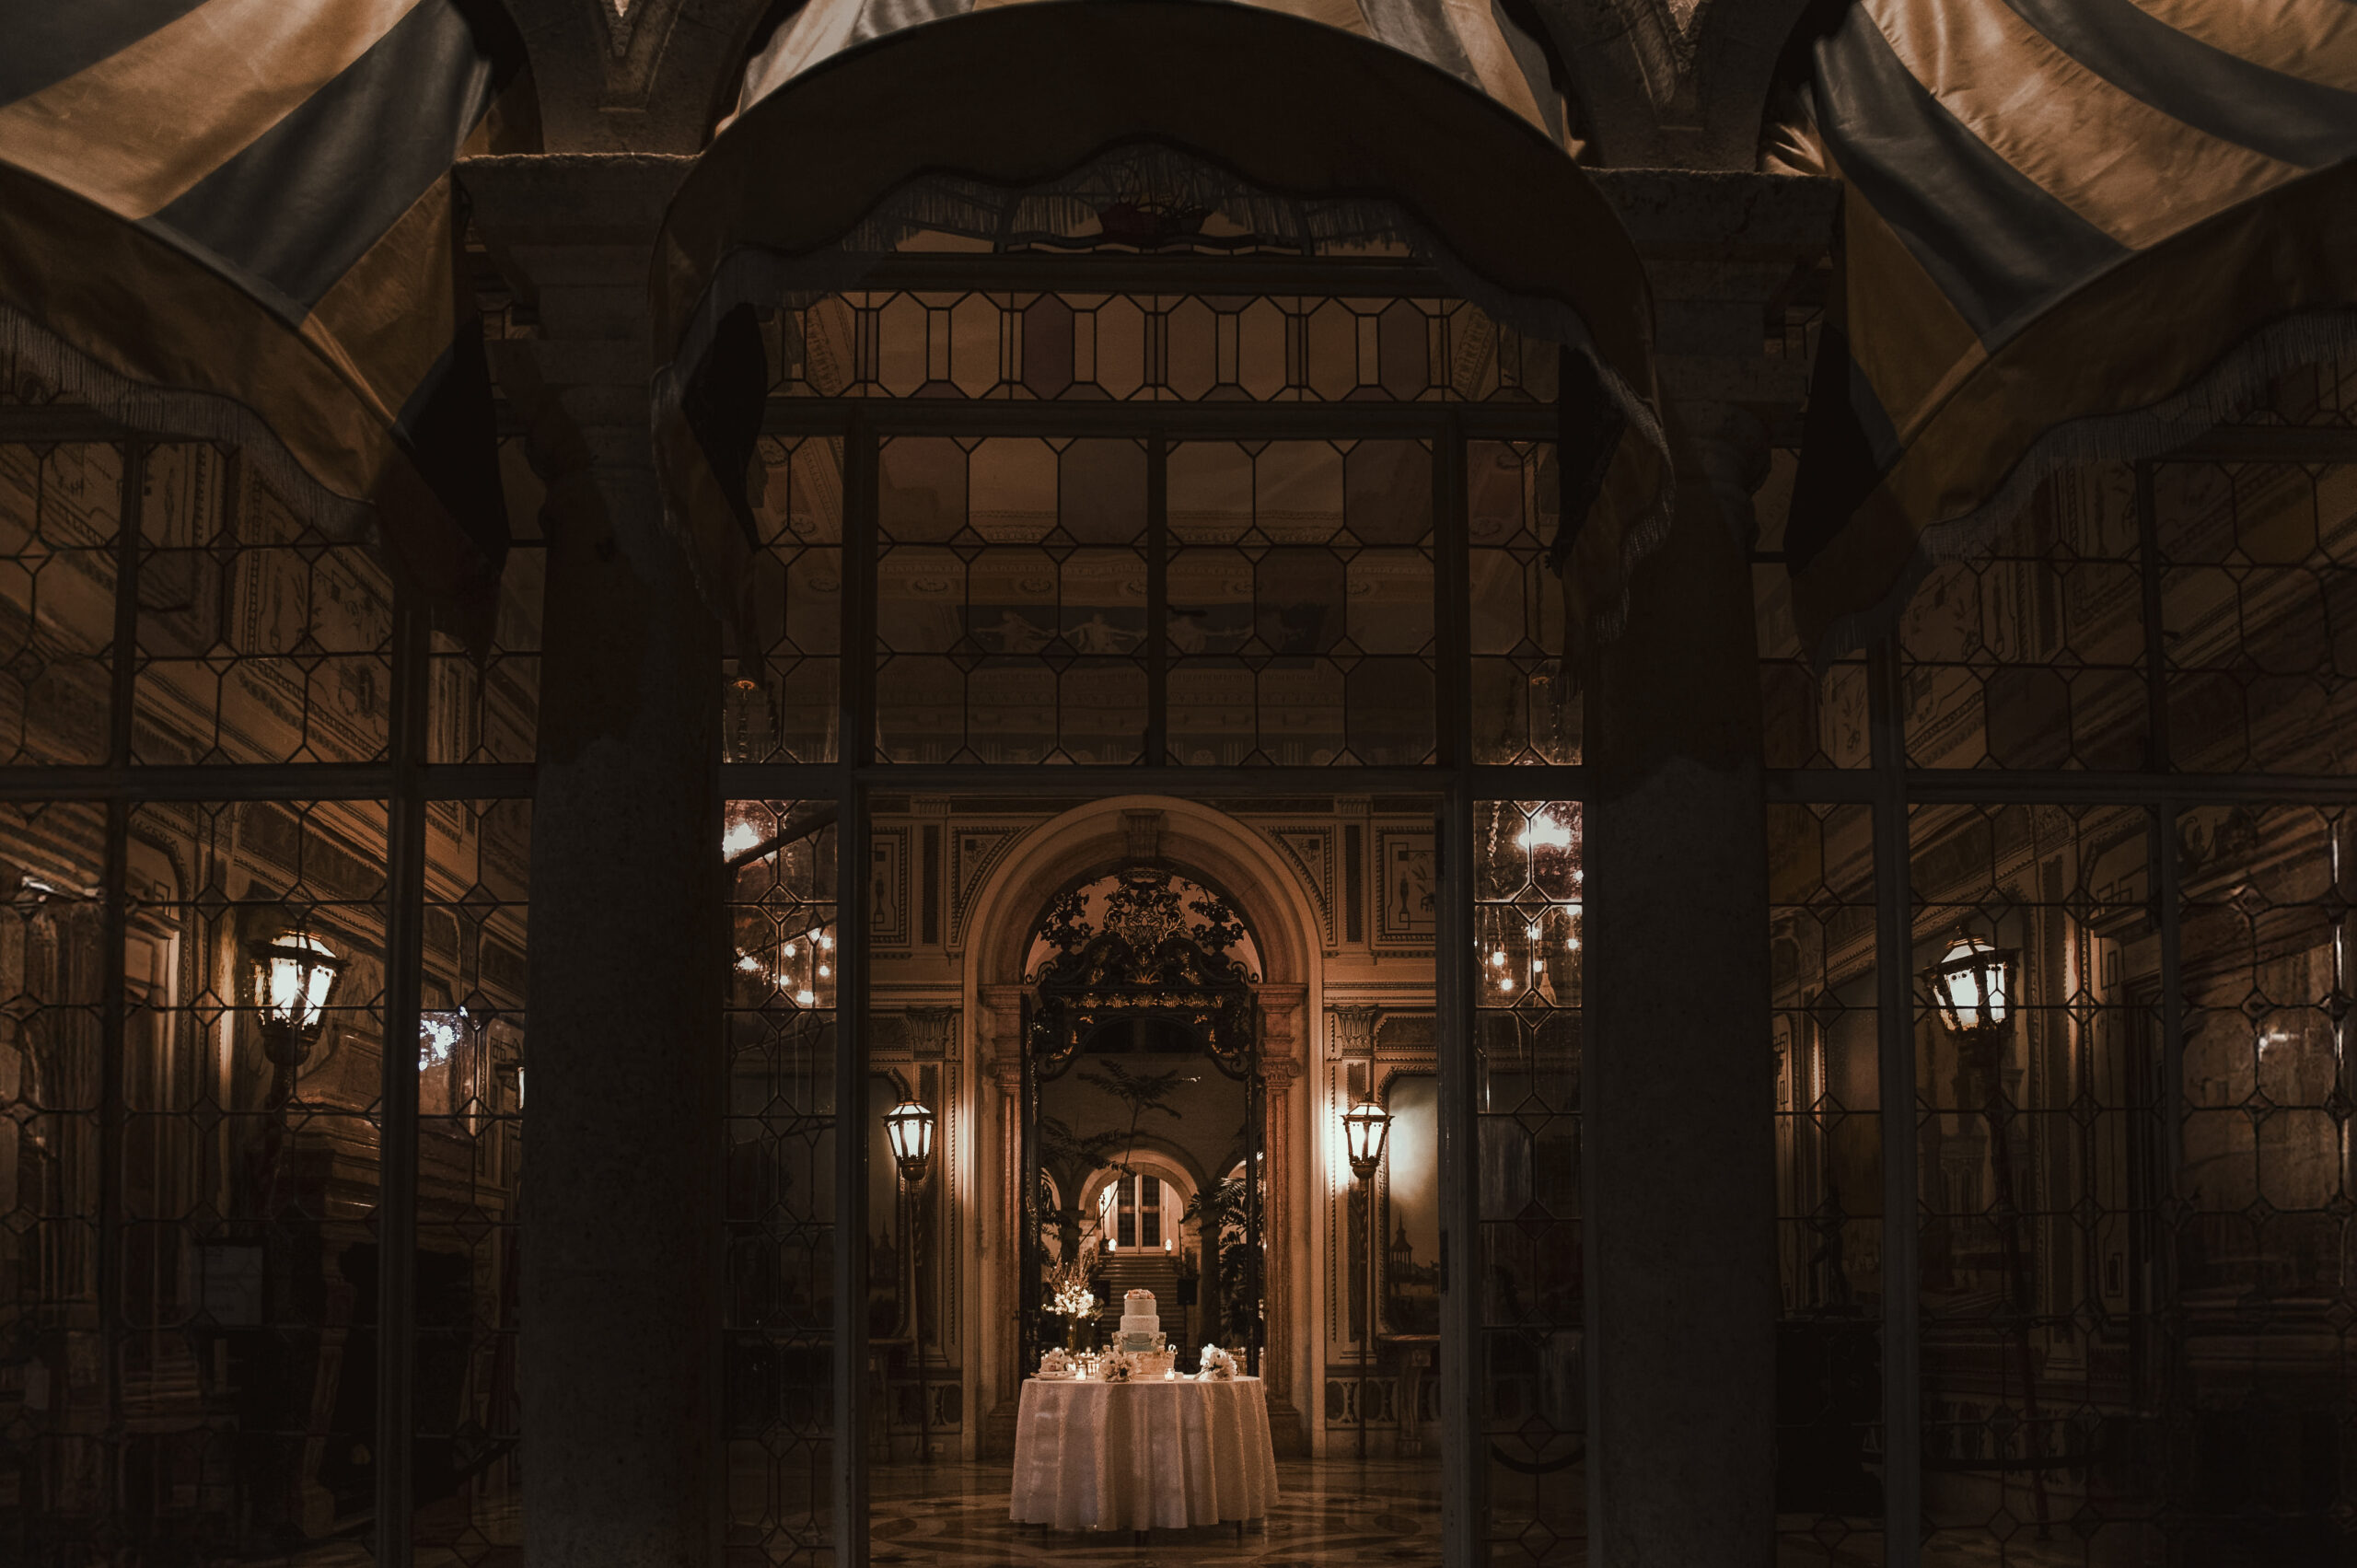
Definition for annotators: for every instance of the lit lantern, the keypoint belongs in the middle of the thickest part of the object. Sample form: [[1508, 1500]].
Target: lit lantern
[[1365, 1126], [1973, 985], [292, 978], [910, 1127]]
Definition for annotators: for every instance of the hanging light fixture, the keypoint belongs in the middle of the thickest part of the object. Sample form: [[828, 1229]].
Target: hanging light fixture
[[1973, 985], [1365, 1126]]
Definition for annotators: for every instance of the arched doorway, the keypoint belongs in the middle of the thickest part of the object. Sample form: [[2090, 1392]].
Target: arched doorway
[[1211, 847], [1141, 1009]]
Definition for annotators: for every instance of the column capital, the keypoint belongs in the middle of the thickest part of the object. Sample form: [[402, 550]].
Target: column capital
[[575, 235], [1355, 1031], [565, 219], [1726, 252]]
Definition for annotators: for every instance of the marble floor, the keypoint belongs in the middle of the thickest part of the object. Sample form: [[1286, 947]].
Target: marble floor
[[1328, 1512]]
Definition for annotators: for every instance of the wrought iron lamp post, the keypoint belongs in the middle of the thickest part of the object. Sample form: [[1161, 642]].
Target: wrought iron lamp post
[[1973, 987], [292, 975], [1364, 1128], [909, 1125]]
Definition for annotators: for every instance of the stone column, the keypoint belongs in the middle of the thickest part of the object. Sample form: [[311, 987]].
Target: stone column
[[1281, 1007], [1677, 1088], [620, 1291], [998, 1244], [1677, 1075]]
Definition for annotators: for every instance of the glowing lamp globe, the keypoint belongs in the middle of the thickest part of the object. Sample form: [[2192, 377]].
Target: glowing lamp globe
[[1973, 985], [292, 978], [910, 1127], [1365, 1126]]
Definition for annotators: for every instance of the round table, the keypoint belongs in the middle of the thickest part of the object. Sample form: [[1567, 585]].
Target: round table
[[1151, 1453]]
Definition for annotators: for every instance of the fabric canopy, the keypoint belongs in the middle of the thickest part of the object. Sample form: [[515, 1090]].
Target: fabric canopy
[[1435, 107], [235, 219], [2073, 228]]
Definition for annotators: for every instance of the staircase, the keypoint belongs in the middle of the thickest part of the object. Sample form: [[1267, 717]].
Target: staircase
[[1139, 1268]]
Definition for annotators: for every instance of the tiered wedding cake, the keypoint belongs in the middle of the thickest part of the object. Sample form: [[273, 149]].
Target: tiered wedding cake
[[1142, 1333], [1140, 1325]]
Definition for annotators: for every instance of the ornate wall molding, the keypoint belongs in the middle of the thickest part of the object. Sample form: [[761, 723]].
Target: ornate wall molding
[[976, 848], [1311, 852]]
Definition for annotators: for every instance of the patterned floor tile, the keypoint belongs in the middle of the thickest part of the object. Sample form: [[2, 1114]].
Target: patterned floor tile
[[1382, 1513]]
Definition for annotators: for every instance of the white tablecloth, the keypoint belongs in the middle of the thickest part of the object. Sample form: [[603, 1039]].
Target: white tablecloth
[[1149, 1453]]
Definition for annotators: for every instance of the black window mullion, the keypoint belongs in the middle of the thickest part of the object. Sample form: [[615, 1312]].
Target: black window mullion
[[1902, 1391], [855, 740], [1157, 601], [114, 999], [1465, 1514], [2168, 917], [405, 833], [2148, 568], [981, 419]]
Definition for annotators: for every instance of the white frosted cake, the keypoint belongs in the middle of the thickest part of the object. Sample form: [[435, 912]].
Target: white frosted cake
[[1140, 1325]]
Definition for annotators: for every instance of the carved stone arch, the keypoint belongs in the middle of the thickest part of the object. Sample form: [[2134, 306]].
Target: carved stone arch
[[1625, 63], [1152, 1157], [1739, 45], [1674, 84], [650, 76], [1092, 840]]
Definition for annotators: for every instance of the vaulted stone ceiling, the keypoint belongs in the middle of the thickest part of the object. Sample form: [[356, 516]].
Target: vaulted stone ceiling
[[1656, 83]]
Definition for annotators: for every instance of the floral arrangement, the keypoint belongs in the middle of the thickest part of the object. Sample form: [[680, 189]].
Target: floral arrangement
[[1056, 1363], [1073, 1300], [1115, 1366], [1218, 1366]]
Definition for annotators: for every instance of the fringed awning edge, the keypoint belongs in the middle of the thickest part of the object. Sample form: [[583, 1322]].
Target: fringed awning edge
[[2224, 393]]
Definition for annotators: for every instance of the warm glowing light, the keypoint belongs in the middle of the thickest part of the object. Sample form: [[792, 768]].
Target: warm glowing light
[[1532, 932], [806, 998], [788, 949], [740, 837], [1498, 959], [909, 1125], [292, 977], [824, 972], [1365, 1126], [748, 963], [1545, 832], [436, 1037], [1971, 985]]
